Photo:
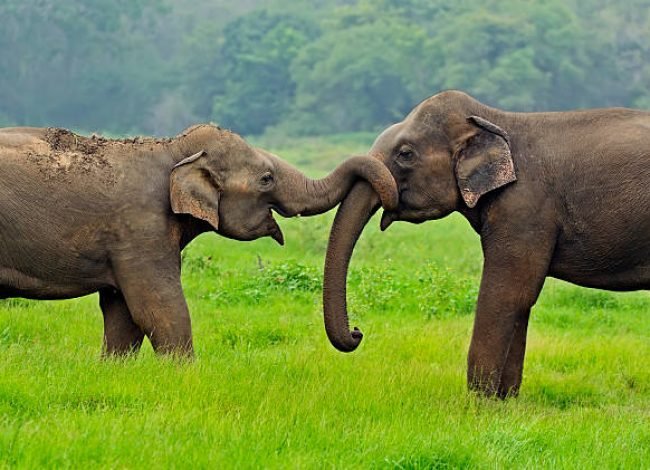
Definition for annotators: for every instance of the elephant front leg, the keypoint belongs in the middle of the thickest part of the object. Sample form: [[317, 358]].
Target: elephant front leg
[[514, 365], [489, 351], [154, 296], [513, 276], [121, 335]]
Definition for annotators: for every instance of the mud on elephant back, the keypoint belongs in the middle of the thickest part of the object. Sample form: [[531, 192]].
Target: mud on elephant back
[[86, 214], [561, 194]]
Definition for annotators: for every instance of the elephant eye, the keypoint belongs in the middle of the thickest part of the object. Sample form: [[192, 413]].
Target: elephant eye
[[405, 154], [266, 180]]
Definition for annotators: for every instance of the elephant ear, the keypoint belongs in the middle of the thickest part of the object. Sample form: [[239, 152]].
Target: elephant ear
[[484, 161], [192, 190]]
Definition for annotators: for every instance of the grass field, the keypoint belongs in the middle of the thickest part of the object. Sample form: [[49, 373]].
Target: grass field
[[267, 390]]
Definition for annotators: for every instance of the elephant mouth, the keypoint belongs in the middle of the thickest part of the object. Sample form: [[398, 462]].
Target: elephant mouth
[[280, 210], [414, 216], [387, 218], [274, 231]]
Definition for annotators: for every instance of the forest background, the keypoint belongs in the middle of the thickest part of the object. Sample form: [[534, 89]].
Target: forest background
[[286, 68]]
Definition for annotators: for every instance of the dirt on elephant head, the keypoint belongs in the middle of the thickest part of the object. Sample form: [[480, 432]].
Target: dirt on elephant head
[[72, 154], [63, 140]]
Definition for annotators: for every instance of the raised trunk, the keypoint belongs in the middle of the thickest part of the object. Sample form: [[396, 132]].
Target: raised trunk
[[306, 196], [353, 215]]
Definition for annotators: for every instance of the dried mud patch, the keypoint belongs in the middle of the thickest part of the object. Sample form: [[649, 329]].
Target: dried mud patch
[[72, 156], [63, 140]]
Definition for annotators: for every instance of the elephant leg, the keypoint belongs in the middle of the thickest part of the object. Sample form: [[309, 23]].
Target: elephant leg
[[513, 275], [154, 296], [489, 350], [121, 335], [514, 365]]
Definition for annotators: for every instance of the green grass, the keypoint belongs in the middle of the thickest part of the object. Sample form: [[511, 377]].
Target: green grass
[[267, 390]]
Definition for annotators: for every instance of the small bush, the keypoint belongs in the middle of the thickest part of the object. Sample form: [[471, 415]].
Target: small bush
[[433, 292], [444, 293], [289, 276]]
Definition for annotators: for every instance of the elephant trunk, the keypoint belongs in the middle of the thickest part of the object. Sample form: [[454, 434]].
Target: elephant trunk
[[306, 196], [351, 218]]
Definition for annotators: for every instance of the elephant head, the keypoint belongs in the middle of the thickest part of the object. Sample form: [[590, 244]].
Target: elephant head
[[447, 155], [235, 187]]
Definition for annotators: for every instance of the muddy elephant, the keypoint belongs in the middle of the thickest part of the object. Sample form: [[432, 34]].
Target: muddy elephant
[[80, 215], [561, 194]]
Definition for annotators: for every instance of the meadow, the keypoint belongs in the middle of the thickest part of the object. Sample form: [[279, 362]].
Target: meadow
[[266, 389]]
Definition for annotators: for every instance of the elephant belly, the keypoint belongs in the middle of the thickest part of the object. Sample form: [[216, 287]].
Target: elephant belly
[[39, 267], [16, 283], [622, 268], [50, 252]]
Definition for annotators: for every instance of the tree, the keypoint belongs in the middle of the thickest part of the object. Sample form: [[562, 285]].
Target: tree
[[618, 34], [89, 65], [255, 89], [519, 55], [359, 78], [310, 67]]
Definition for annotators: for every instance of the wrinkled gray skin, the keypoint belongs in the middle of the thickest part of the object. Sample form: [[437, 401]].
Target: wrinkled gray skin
[[563, 194], [80, 215]]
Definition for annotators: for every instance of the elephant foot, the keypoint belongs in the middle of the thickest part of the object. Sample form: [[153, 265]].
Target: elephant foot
[[511, 391], [483, 385], [180, 348], [121, 342], [492, 386], [121, 350], [510, 382]]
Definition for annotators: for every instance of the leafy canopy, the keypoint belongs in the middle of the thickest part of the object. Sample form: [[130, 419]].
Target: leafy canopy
[[327, 66]]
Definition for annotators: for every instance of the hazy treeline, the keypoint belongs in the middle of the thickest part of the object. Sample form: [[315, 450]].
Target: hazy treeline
[[316, 67]]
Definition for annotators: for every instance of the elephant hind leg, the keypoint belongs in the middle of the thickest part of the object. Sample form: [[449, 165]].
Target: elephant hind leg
[[121, 335]]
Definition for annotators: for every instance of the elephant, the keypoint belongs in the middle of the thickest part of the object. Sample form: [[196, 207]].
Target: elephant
[[80, 215], [551, 194]]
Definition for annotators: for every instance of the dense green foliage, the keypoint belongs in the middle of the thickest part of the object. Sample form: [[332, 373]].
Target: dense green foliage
[[267, 390], [319, 67], [253, 70]]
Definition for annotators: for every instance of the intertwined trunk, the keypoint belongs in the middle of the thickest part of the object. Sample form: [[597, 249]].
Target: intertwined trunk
[[306, 196], [351, 218]]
